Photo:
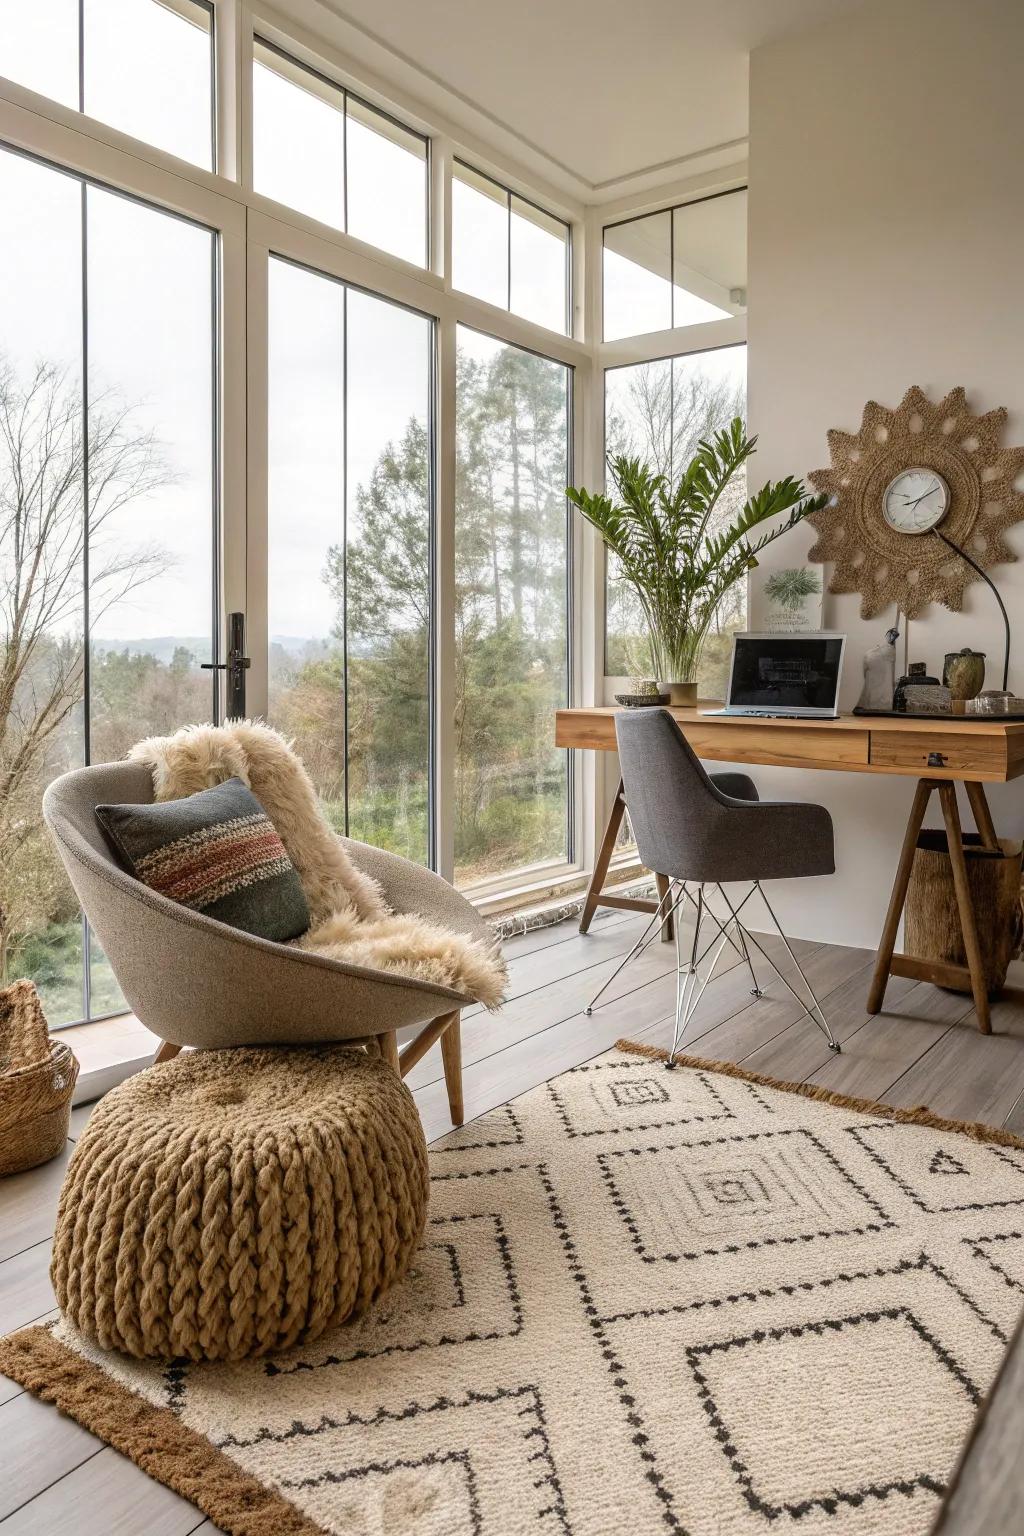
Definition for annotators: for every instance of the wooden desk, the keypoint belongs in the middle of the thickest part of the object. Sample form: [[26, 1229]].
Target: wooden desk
[[939, 753]]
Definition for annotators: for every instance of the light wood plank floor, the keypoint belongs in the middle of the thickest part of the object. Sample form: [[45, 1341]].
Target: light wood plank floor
[[924, 1049]]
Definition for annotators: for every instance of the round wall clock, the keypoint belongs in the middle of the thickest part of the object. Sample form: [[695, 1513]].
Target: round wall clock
[[906, 473], [915, 501]]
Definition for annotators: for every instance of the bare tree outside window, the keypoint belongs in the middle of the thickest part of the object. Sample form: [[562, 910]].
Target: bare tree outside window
[[50, 473]]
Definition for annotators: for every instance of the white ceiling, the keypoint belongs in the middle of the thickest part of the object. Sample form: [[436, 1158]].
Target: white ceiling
[[604, 93]]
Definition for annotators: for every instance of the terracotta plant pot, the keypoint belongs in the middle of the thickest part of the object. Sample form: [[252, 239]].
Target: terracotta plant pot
[[681, 694]]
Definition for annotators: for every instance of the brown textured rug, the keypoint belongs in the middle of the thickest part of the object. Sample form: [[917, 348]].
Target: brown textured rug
[[690, 1302]]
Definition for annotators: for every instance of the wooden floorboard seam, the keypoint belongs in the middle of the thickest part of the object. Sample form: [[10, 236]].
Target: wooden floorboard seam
[[956, 1024], [68, 1471]]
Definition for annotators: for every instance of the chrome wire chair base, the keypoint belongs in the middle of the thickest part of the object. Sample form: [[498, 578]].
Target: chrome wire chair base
[[690, 986], [667, 908]]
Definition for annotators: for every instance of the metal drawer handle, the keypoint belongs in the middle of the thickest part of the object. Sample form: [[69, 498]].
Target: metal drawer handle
[[936, 759]]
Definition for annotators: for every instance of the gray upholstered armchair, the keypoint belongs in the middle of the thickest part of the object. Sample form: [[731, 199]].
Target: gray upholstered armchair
[[194, 981]]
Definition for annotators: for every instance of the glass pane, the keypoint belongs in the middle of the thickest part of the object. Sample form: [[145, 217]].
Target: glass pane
[[150, 514], [170, 106], [152, 504], [350, 552], [148, 72], [41, 615], [151, 518], [637, 422], [105, 995], [39, 47], [388, 575], [637, 276], [540, 266], [386, 167], [298, 137], [710, 259], [660, 411], [480, 236], [511, 588], [306, 454]]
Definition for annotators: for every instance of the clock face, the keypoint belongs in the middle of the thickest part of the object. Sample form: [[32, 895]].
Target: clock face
[[915, 501]]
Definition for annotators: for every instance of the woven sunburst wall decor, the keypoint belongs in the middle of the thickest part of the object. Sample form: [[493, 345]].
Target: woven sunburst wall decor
[[886, 566]]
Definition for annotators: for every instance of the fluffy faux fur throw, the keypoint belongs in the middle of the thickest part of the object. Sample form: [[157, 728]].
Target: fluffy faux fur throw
[[350, 919]]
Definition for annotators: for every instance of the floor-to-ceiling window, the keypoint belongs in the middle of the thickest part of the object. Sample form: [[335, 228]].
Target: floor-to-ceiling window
[[107, 524], [349, 545], [512, 608]]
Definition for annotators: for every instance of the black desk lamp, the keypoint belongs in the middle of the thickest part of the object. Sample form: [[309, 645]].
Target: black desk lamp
[[995, 592]]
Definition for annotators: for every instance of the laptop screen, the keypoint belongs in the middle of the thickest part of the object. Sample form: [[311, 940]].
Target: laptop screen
[[785, 671]]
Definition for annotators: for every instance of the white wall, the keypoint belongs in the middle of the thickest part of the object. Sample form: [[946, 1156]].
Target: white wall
[[886, 249]]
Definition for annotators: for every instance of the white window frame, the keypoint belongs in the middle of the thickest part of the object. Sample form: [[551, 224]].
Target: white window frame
[[251, 226]]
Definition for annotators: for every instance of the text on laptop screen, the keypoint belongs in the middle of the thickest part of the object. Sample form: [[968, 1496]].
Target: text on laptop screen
[[785, 672]]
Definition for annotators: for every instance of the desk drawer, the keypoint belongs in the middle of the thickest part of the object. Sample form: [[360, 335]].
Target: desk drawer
[[977, 756], [778, 743]]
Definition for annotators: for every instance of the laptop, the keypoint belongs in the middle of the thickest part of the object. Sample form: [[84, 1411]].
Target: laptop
[[785, 676]]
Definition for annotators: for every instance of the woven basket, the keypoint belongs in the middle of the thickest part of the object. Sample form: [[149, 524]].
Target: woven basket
[[932, 918], [37, 1079]]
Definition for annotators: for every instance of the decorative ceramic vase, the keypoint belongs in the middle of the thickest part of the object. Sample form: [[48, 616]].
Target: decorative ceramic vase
[[681, 695], [964, 673]]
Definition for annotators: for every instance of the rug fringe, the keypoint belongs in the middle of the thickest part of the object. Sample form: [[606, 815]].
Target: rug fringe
[[922, 1115], [156, 1439]]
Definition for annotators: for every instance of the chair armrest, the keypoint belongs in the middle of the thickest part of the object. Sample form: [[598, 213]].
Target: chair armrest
[[408, 887], [737, 786]]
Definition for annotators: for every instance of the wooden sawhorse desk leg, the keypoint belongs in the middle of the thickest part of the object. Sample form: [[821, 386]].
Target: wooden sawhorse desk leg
[[595, 898], [937, 971]]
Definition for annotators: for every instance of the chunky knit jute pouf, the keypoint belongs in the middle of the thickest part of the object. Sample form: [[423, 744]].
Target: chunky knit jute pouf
[[231, 1203]]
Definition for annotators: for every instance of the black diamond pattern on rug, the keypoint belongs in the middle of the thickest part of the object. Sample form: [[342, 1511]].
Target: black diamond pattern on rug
[[650, 1302]]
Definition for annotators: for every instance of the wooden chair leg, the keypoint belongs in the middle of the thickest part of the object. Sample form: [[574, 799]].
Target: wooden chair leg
[[167, 1049], [389, 1048], [451, 1055], [961, 883], [899, 894], [603, 859], [418, 1047]]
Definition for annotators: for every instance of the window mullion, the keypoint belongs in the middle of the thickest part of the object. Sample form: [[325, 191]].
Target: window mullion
[[444, 701], [256, 497], [232, 42]]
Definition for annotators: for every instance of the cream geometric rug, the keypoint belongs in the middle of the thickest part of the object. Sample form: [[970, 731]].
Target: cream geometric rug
[[647, 1302]]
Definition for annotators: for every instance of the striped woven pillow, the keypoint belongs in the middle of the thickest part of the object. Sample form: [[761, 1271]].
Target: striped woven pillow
[[217, 852]]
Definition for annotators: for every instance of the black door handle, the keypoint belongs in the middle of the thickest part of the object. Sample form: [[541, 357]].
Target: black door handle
[[936, 759], [236, 666]]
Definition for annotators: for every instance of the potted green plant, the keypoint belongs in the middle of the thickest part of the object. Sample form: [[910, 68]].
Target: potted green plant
[[677, 550]]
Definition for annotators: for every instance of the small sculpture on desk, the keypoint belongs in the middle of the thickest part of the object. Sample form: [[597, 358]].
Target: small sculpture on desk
[[880, 674], [918, 694]]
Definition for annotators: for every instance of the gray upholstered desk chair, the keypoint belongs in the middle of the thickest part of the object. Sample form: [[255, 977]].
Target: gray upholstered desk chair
[[701, 832]]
